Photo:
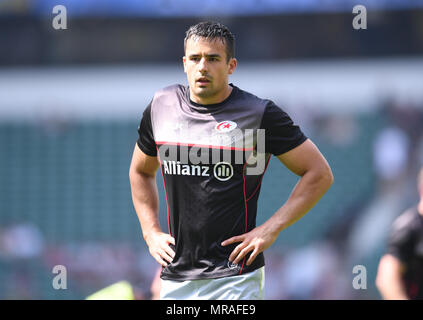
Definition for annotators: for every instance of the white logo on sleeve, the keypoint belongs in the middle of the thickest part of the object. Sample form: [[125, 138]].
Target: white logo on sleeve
[[225, 126]]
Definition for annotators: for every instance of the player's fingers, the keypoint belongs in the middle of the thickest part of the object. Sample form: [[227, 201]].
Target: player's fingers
[[232, 240], [165, 256], [242, 254], [160, 260], [169, 251], [237, 250], [170, 239], [252, 256]]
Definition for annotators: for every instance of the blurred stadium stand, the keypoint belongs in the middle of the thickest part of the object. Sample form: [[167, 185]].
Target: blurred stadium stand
[[71, 100], [104, 39]]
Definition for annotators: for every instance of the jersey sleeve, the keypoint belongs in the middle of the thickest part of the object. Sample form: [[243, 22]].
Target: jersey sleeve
[[281, 134], [146, 140], [400, 241]]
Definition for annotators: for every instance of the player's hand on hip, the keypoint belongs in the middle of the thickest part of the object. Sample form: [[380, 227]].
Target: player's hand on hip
[[255, 241], [159, 247]]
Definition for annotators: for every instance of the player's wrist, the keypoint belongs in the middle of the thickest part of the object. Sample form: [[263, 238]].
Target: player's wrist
[[151, 234], [272, 228]]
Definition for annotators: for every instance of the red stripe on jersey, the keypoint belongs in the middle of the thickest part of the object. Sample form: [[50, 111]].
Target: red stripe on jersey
[[167, 202], [267, 163], [246, 210]]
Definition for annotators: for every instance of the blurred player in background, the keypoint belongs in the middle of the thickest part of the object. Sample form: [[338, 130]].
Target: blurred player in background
[[127, 290], [213, 249], [400, 273]]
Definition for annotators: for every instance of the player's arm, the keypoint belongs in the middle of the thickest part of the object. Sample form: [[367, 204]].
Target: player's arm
[[389, 278], [142, 176], [316, 177]]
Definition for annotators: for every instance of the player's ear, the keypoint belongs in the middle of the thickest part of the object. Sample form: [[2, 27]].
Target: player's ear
[[232, 65], [184, 59]]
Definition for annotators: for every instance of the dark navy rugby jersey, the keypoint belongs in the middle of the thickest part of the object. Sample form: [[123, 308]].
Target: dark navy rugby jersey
[[406, 243], [212, 161]]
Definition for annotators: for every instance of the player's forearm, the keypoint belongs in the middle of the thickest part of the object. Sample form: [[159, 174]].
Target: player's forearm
[[146, 202], [307, 192]]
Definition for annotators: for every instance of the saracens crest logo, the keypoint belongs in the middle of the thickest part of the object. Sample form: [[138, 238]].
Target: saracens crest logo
[[225, 126]]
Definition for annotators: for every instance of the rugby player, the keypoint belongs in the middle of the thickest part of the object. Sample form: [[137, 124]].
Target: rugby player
[[400, 272], [197, 135]]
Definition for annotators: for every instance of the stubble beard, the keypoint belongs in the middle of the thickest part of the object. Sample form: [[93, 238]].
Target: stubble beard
[[208, 92]]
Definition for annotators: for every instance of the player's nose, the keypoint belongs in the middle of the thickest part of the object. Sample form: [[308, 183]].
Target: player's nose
[[202, 65]]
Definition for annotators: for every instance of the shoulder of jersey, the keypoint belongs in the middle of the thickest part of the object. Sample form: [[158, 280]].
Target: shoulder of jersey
[[252, 96], [169, 92], [172, 89]]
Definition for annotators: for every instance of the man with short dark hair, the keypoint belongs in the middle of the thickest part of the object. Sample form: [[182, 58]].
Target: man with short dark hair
[[207, 138], [400, 272]]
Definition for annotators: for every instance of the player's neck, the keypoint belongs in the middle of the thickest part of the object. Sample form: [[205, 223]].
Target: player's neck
[[222, 96]]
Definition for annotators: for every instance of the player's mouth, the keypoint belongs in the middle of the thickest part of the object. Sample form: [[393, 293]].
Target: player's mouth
[[203, 81]]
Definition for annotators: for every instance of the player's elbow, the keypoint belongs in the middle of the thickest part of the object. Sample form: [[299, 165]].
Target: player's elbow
[[326, 176], [329, 176]]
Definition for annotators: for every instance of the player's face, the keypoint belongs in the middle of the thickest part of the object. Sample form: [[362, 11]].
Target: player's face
[[207, 70]]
